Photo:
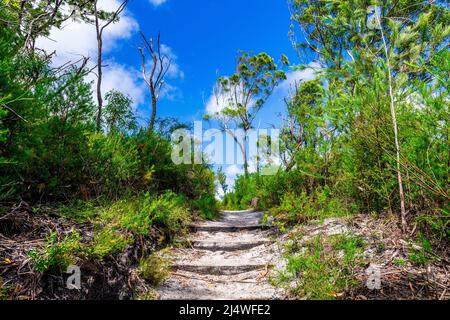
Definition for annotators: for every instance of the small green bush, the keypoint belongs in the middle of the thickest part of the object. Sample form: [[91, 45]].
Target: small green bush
[[422, 255], [166, 212], [207, 207], [154, 268], [323, 267], [108, 241], [56, 255], [300, 208]]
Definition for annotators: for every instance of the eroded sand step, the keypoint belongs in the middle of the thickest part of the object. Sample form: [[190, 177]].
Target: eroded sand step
[[197, 287], [224, 228], [229, 259], [218, 270], [227, 245]]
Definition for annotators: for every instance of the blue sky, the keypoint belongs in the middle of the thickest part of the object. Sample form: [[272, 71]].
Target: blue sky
[[206, 35], [202, 37]]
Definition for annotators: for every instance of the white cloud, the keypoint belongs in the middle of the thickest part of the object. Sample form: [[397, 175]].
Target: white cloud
[[293, 77], [215, 103], [76, 38], [157, 3], [124, 79], [220, 100], [231, 172], [175, 71]]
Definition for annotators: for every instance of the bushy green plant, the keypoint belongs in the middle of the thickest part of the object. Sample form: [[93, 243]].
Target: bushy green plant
[[319, 269], [108, 241], [207, 206], [57, 254], [113, 164], [422, 253], [245, 189], [300, 208], [436, 224], [168, 213], [139, 215], [154, 268]]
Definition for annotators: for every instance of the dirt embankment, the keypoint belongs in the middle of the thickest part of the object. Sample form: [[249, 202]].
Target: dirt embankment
[[22, 230]]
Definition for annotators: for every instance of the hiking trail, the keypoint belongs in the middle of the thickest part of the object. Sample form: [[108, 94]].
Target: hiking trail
[[229, 258]]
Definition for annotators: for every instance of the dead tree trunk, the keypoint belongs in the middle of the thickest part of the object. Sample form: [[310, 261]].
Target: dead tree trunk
[[99, 32], [159, 68]]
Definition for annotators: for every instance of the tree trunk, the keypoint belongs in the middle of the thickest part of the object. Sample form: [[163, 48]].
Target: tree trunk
[[99, 86], [99, 70], [153, 117], [397, 144], [244, 154]]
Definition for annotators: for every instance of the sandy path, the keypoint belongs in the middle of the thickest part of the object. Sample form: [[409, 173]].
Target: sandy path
[[229, 259]]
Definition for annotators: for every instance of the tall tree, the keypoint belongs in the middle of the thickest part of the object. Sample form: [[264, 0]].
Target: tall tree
[[107, 18], [355, 50], [241, 96], [159, 66]]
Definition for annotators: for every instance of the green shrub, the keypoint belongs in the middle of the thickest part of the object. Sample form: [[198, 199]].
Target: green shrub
[[350, 245], [300, 208], [56, 255], [108, 241], [207, 207], [154, 268], [112, 164], [436, 224], [245, 189], [322, 268], [166, 212], [423, 253]]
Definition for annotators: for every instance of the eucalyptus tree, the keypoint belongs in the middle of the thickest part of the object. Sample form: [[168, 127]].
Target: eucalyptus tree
[[241, 96]]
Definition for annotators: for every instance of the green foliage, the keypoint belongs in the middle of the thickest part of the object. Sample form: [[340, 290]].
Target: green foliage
[[436, 223], [108, 241], [50, 149], [350, 245], [241, 197], [57, 254], [148, 296], [139, 215], [242, 95], [119, 115], [154, 268], [301, 208], [112, 165], [207, 207], [287, 197], [339, 127], [422, 253], [323, 268], [399, 262], [222, 179], [4, 291], [256, 77]]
